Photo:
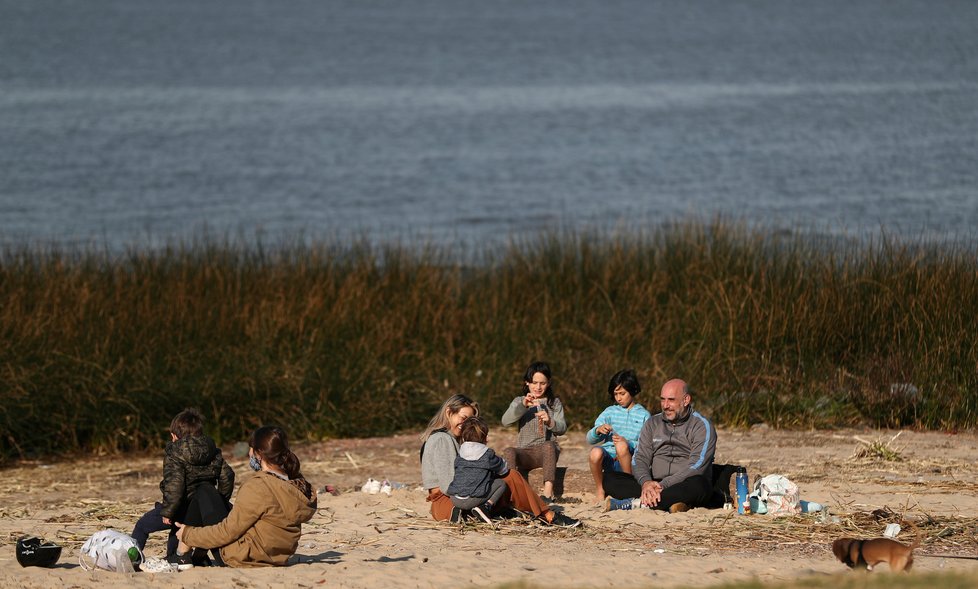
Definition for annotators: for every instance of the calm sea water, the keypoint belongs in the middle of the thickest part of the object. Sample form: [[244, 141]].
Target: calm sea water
[[134, 121]]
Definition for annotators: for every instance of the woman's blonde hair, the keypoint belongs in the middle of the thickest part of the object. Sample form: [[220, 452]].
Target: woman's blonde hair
[[451, 406]]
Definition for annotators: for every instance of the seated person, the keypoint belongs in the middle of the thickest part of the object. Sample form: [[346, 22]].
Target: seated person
[[540, 416], [478, 483], [673, 461], [616, 429]]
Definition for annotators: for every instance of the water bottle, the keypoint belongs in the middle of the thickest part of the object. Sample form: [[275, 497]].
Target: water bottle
[[810, 506], [743, 505], [122, 561]]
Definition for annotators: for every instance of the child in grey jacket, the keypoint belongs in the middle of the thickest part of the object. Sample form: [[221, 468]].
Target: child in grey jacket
[[477, 485]]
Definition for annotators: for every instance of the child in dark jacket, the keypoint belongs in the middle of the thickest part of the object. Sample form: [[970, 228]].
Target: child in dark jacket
[[478, 483], [191, 462]]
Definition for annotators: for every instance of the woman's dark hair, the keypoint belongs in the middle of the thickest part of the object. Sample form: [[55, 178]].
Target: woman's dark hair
[[272, 445], [544, 369], [625, 379]]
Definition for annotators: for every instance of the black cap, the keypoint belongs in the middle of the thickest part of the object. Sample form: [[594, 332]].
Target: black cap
[[38, 553]]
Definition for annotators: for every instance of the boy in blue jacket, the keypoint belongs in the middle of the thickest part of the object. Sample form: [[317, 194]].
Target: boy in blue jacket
[[617, 429]]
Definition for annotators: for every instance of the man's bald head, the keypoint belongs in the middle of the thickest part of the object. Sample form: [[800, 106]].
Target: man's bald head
[[675, 398]]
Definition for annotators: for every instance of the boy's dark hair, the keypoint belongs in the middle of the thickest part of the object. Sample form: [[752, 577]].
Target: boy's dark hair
[[625, 379], [474, 429], [187, 423]]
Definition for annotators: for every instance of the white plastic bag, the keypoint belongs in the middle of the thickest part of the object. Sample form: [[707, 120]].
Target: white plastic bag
[[778, 494], [109, 550]]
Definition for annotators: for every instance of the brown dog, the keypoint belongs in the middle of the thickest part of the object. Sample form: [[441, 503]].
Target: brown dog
[[869, 553]]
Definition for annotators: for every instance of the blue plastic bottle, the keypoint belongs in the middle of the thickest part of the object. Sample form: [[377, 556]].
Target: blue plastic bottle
[[742, 493]]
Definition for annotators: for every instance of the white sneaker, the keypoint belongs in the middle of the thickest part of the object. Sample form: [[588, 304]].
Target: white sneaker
[[386, 488], [157, 565], [371, 487]]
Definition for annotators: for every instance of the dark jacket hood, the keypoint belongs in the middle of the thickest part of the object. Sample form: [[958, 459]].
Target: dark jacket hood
[[193, 450]]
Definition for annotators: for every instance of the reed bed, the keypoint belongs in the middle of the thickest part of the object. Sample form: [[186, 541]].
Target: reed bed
[[101, 350]]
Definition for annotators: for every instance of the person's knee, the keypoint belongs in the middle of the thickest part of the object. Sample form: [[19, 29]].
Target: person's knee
[[596, 455], [621, 447], [695, 491], [509, 455]]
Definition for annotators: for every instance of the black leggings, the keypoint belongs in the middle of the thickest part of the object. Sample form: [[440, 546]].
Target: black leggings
[[694, 491], [206, 509]]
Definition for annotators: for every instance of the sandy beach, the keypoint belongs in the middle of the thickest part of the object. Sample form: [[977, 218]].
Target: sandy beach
[[362, 540]]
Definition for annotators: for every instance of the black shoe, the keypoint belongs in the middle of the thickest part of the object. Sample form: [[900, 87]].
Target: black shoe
[[482, 512], [562, 521], [183, 562], [458, 515], [200, 558], [509, 513]]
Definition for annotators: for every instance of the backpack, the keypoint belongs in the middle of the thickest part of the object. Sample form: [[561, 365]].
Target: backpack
[[775, 495], [110, 550]]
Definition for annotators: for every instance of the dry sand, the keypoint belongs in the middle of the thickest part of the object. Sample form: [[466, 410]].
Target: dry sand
[[360, 540]]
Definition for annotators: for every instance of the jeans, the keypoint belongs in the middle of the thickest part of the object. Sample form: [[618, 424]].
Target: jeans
[[152, 521]]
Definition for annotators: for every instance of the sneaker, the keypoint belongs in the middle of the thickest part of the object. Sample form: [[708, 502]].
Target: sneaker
[[612, 504], [562, 521], [371, 487], [507, 512], [678, 507], [200, 558], [482, 512], [153, 564], [183, 562], [458, 515], [386, 488]]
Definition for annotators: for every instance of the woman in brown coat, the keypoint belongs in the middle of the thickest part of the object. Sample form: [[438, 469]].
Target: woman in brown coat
[[265, 523]]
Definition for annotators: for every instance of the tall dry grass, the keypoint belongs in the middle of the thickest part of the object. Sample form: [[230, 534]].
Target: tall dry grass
[[100, 351]]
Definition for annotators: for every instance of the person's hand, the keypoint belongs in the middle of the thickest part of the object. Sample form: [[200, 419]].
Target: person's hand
[[616, 438], [651, 493], [604, 429], [167, 521], [543, 417], [180, 527], [529, 401]]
